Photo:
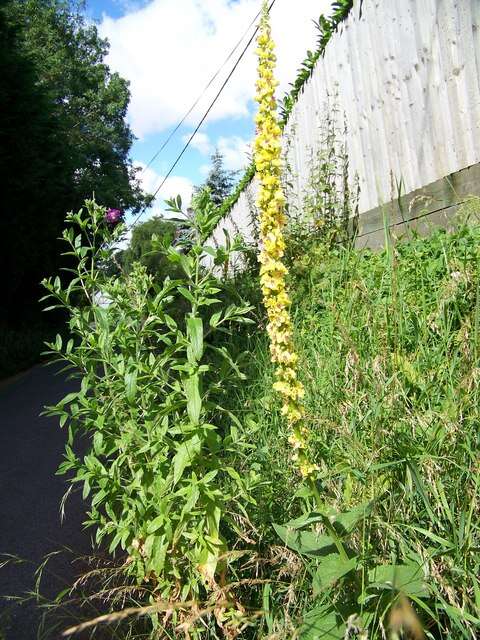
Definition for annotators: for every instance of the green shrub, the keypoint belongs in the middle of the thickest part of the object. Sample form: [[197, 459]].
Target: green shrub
[[389, 350], [160, 470]]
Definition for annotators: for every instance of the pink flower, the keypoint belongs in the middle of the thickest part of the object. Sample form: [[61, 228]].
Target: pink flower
[[113, 217]]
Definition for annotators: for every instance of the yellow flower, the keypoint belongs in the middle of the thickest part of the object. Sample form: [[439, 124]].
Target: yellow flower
[[307, 469], [296, 441], [271, 203]]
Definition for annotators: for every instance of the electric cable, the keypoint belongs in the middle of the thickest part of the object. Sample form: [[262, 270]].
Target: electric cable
[[204, 117], [204, 90]]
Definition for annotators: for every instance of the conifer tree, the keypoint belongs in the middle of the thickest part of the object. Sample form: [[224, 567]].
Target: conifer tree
[[219, 181]]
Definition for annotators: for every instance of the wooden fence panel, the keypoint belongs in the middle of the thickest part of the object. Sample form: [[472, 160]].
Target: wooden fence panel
[[407, 79]]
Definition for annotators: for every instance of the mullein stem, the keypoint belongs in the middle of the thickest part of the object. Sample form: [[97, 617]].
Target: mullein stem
[[337, 541]]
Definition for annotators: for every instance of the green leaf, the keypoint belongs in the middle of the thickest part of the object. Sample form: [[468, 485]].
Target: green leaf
[[158, 555], [195, 339], [407, 578], [184, 456], [155, 524], [344, 522], [86, 489], [321, 623], [98, 443], [347, 521], [306, 519], [267, 590], [305, 542], [186, 294], [192, 394], [413, 469], [116, 541], [214, 320], [330, 570], [101, 318], [131, 386]]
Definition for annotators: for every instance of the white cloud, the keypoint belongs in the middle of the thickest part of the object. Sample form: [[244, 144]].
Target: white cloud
[[201, 142], [173, 187], [169, 49], [235, 152]]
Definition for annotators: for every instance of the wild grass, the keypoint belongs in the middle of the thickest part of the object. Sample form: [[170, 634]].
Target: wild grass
[[389, 345]]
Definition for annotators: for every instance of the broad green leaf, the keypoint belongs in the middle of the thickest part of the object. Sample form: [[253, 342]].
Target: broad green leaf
[[155, 524], [306, 519], [210, 251], [186, 294], [210, 554], [99, 497], [192, 394], [347, 521], [101, 318], [98, 442], [321, 623], [195, 339], [343, 522], [305, 542], [193, 495], [330, 569], [159, 552], [407, 578], [215, 319]]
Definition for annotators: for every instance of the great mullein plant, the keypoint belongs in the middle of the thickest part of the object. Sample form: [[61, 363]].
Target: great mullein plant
[[336, 561], [271, 203]]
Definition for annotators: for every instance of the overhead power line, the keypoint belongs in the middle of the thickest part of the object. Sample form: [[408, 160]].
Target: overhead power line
[[205, 115], [204, 90]]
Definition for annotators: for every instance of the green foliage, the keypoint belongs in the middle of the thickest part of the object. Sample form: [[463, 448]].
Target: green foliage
[[63, 137], [389, 536], [151, 400], [86, 100], [327, 27], [389, 350], [227, 205], [141, 248], [328, 210]]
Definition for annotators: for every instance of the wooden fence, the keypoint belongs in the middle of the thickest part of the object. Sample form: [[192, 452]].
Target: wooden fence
[[406, 76]]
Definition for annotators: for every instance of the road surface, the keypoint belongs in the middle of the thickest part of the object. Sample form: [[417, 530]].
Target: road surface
[[31, 449]]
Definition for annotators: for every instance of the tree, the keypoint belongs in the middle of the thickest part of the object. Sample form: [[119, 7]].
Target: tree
[[141, 248], [219, 181], [63, 137]]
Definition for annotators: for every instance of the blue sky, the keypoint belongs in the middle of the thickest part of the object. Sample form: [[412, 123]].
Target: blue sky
[[169, 49]]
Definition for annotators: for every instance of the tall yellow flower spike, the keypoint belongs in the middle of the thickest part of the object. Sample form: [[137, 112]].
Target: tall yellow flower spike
[[271, 203]]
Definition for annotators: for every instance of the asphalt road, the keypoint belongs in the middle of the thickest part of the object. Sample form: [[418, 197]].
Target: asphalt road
[[31, 449]]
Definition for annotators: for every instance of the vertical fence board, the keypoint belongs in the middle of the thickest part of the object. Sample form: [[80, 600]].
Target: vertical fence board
[[406, 76]]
